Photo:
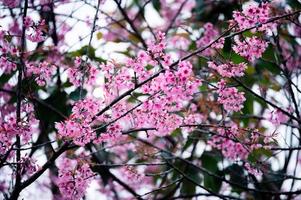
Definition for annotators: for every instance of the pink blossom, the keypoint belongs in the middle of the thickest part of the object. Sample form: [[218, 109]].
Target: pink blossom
[[15, 28], [36, 36], [253, 170], [229, 69], [36, 30], [132, 175], [225, 141], [28, 165], [11, 3], [73, 179], [180, 41], [231, 99], [292, 55], [169, 10], [253, 15], [156, 48], [28, 22], [78, 127], [251, 47], [277, 117], [210, 34], [112, 134], [81, 133], [81, 70], [9, 128], [43, 72], [7, 66]]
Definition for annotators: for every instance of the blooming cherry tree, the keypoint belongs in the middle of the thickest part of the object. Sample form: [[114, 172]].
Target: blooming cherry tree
[[179, 99]]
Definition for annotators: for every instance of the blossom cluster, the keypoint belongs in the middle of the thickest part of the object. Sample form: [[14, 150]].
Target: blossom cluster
[[7, 66], [35, 29], [226, 142], [77, 126], [291, 54], [9, 128], [210, 33], [132, 175], [253, 15], [252, 170], [42, 71], [156, 93], [277, 117], [251, 47], [81, 70], [7, 51], [228, 69], [236, 143], [73, 178], [28, 165], [165, 94], [156, 49], [169, 10], [112, 134], [11, 3], [230, 97], [160, 111]]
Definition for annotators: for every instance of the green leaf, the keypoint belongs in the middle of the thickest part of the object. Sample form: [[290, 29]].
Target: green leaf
[[212, 182], [67, 84], [38, 56], [203, 88], [187, 186], [250, 34], [187, 144], [237, 58], [149, 67], [57, 100], [85, 50], [176, 132], [256, 154], [237, 176], [156, 4], [272, 181], [88, 51], [209, 162], [269, 53], [4, 78], [192, 46], [8, 38], [75, 95], [134, 96], [270, 66], [211, 12], [99, 35], [248, 108], [294, 3]]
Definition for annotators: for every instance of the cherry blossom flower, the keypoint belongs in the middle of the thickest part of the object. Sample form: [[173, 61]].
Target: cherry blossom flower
[[210, 34], [277, 117], [229, 69], [43, 72], [253, 15], [78, 127], [252, 170], [73, 179], [81, 70], [11, 3], [251, 47], [231, 99]]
